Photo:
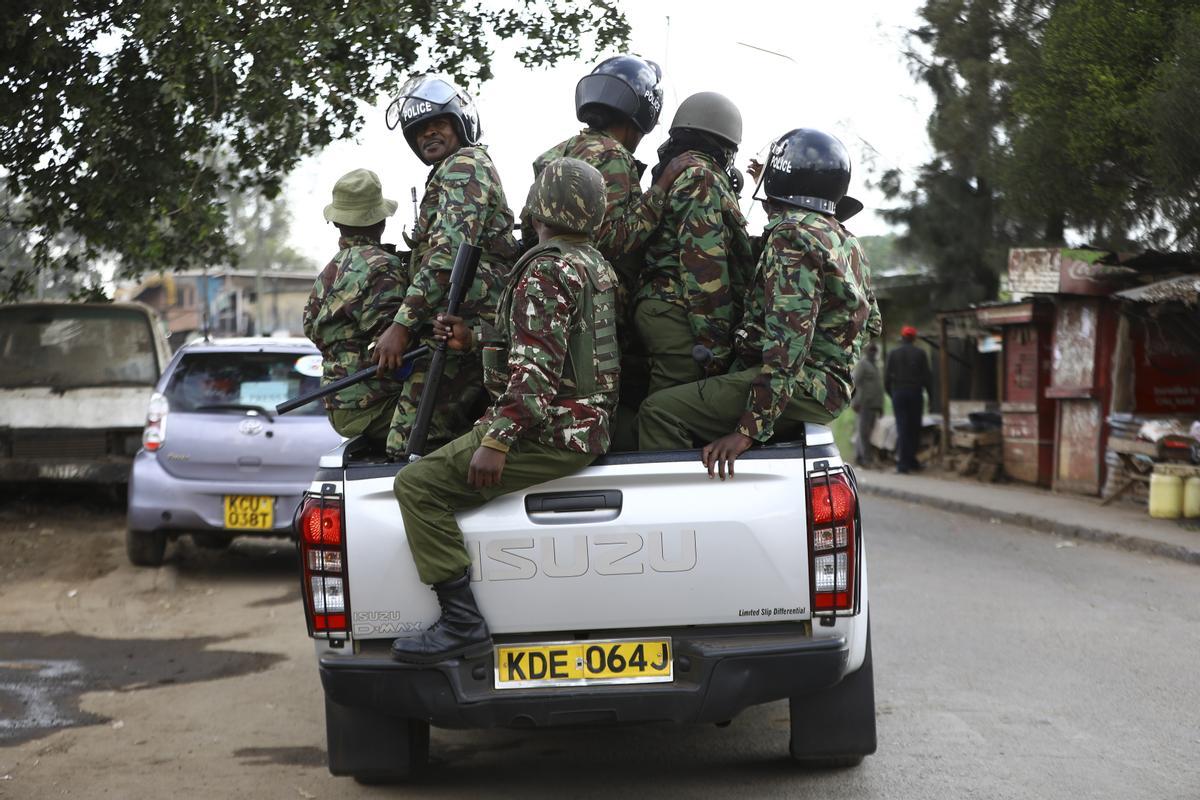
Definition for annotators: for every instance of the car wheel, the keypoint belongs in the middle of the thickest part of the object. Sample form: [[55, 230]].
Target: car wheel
[[835, 727], [375, 748], [145, 548]]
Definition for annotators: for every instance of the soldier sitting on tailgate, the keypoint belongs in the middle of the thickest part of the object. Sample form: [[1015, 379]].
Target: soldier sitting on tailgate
[[808, 313], [352, 303], [552, 367], [463, 201], [698, 261]]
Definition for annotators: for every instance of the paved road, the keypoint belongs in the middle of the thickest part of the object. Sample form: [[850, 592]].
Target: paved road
[[1007, 666]]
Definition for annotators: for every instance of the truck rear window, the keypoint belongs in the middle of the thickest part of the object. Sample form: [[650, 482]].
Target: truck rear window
[[243, 379], [69, 347]]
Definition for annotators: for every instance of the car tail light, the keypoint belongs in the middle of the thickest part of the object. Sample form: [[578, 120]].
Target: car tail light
[[833, 545], [323, 556], [155, 432]]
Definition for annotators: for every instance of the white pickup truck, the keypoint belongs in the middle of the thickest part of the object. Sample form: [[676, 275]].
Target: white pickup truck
[[635, 590]]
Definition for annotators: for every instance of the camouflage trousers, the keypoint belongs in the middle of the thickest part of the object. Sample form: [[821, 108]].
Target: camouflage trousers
[[431, 491], [461, 399], [703, 411], [373, 422]]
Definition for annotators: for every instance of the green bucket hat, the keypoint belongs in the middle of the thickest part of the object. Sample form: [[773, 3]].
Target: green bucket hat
[[358, 200]]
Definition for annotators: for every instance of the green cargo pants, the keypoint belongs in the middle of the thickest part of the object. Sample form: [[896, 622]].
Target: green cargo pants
[[667, 338], [709, 409], [431, 490], [373, 422]]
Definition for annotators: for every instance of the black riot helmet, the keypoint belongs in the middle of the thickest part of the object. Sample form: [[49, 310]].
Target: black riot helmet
[[807, 169], [424, 97], [627, 85]]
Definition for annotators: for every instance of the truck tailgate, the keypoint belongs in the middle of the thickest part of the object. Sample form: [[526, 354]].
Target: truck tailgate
[[639, 545]]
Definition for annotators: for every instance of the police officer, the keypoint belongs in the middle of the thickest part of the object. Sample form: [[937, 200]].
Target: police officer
[[353, 302], [551, 366], [619, 101], [698, 261], [808, 314], [463, 201]]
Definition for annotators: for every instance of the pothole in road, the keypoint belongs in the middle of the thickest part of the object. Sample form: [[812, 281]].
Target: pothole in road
[[43, 677]]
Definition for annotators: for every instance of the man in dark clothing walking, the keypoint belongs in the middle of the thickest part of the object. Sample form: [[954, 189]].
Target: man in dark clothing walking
[[906, 375]]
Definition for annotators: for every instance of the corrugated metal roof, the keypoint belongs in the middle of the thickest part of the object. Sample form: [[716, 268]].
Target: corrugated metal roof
[[1183, 289]]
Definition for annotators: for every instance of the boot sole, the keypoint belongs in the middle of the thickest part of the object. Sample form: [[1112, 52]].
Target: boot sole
[[473, 651]]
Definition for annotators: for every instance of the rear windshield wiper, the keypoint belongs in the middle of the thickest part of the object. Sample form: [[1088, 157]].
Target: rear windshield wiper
[[236, 407]]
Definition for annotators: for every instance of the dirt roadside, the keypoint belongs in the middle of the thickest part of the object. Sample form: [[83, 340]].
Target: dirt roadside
[[192, 680]]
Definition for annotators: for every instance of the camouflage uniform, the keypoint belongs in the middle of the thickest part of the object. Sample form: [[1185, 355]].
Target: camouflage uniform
[[552, 369], [697, 266], [352, 303], [463, 201], [809, 313], [630, 215]]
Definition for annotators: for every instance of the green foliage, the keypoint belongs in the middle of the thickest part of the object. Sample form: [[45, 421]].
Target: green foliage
[[1075, 114], [126, 122], [1106, 128], [951, 208]]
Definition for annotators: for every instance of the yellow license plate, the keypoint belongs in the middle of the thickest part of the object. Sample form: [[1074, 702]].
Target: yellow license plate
[[583, 663], [249, 512]]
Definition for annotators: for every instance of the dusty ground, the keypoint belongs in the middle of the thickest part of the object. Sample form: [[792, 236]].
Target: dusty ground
[[1007, 665], [192, 680]]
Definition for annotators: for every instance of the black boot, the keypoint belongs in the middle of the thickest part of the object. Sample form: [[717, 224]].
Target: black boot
[[459, 632]]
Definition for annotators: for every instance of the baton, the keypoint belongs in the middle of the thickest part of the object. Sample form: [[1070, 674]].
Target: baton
[[349, 380], [462, 275]]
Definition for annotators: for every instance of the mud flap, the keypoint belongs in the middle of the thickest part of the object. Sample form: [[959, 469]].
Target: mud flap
[[835, 727], [373, 747]]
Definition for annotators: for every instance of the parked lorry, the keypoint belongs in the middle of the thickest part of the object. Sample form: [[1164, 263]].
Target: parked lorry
[[635, 590], [74, 388]]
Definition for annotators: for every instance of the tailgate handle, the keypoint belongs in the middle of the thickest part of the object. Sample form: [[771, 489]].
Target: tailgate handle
[[560, 502]]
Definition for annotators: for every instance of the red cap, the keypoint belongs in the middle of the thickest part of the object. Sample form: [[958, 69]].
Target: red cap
[[907, 331]]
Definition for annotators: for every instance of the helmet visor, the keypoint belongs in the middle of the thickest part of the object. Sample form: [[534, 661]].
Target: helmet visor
[[433, 88]]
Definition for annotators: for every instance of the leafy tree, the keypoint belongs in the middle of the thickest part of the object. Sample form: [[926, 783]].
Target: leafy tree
[[1078, 115], [952, 207], [119, 114], [258, 231], [1107, 130]]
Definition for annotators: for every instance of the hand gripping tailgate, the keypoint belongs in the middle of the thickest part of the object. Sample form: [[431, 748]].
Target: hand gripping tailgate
[[616, 546]]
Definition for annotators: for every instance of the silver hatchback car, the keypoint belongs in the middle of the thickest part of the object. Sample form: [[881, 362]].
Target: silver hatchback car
[[216, 460]]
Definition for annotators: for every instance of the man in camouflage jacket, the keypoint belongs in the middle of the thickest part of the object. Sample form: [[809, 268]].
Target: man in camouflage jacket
[[353, 301], [809, 313], [698, 262], [463, 201], [552, 368], [608, 143]]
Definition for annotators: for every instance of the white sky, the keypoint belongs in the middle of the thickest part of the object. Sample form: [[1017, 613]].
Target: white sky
[[847, 77]]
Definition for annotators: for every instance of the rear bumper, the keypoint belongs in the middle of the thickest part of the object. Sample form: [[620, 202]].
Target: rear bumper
[[718, 674], [160, 502]]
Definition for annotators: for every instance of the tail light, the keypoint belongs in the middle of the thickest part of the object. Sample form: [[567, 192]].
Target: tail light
[[323, 554], [155, 432], [833, 543]]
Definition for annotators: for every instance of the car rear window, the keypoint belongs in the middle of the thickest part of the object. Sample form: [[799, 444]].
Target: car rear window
[[69, 347], [244, 379]]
